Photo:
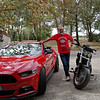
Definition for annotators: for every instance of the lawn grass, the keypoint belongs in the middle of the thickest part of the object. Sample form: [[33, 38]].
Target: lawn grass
[[94, 45], [82, 40]]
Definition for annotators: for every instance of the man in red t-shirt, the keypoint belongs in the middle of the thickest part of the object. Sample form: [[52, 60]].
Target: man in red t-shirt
[[63, 49]]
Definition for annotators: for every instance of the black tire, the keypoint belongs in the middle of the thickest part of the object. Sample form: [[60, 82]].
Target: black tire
[[83, 80], [77, 61], [42, 82], [90, 68], [56, 65]]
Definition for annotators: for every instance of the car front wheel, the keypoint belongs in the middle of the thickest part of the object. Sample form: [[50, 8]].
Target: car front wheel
[[42, 81]]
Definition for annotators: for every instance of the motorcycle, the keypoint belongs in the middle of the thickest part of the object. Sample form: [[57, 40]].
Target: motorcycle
[[83, 67]]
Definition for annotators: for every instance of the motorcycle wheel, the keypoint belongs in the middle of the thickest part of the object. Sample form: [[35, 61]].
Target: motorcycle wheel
[[81, 81]]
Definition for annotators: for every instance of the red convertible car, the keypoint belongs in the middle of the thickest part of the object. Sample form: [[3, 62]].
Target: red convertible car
[[25, 69]]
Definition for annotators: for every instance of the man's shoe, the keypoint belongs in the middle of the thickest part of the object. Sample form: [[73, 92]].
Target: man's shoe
[[68, 78]]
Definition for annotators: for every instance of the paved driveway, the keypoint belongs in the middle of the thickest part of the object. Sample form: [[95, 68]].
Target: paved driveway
[[59, 89]]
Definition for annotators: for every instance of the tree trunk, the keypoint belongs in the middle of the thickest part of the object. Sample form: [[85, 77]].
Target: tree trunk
[[38, 35], [64, 12], [56, 22], [77, 37], [71, 29], [90, 35], [19, 35]]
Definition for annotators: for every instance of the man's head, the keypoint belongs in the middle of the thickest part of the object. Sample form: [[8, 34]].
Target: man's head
[[61, 30]]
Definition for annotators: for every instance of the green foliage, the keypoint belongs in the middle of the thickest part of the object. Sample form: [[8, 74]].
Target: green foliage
[[96, 37], [97, 24], [45, 34], [15, 36], [16, 15], [28, 34]]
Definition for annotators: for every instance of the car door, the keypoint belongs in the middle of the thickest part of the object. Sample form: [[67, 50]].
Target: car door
[[48, 60], [51, 57]]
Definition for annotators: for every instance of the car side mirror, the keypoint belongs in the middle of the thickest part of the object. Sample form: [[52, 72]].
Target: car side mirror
[[48, 51]]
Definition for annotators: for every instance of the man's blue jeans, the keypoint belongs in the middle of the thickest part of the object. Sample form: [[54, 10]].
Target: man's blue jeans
[[65, 57]]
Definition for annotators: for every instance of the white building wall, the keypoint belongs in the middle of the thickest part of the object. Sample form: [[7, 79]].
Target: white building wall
[[6, 40]]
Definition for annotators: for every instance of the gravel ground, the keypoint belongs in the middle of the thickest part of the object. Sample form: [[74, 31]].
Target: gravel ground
[[59, 89]]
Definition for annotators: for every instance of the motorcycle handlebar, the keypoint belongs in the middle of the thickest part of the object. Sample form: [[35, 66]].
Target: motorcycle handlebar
[[84, 46], [94, 50], [77, 44]]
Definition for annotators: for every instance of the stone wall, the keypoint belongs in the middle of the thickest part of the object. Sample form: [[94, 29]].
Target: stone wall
[[6, 40]]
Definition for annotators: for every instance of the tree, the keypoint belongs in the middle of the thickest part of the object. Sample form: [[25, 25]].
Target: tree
[[88, 15], [18, 14]]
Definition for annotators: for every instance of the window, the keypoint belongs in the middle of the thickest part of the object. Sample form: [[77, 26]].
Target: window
[[22, 49]]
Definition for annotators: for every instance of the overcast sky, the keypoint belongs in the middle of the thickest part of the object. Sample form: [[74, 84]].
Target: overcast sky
[[54, 31]]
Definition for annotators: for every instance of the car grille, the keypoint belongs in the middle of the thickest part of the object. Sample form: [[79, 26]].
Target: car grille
[[7, 79], [9, 92]]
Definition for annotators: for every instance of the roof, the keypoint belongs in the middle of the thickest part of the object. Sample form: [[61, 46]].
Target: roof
[[3, 32]]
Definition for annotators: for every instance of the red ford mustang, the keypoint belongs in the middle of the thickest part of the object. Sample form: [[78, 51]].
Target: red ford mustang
[[25, 69]]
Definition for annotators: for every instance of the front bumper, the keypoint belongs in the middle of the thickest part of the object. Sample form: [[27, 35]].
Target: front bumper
[[31, 82], [16, 98]]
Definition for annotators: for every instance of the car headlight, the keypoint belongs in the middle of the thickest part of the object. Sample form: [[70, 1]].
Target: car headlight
[[28, 73]]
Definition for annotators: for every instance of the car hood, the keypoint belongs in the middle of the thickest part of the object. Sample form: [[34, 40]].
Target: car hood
[[17, 63]]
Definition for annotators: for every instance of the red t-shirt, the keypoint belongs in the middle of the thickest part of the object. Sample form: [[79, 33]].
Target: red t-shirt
[[62, 42]]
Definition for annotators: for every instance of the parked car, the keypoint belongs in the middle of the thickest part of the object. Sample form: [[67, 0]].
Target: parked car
[[25, 69]]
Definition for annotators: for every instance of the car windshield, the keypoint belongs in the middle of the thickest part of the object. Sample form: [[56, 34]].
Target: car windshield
[[22, 49]]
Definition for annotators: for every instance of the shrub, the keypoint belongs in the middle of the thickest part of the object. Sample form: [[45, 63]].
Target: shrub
[[96, 37]]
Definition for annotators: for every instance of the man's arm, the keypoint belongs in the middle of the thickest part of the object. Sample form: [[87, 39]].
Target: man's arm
[[46, 40], [71, 45], [51, 38]]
